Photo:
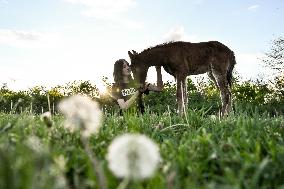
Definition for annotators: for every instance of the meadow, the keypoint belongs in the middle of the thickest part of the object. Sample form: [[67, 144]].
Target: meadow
[[243, 150]]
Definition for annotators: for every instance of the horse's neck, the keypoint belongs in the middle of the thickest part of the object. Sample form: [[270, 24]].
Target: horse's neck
[[153, 58]]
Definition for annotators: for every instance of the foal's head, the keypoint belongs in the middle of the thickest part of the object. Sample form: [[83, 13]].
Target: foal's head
[[138, 66]]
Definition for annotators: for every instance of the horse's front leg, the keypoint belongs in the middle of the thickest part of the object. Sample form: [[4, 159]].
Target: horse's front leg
[[184, 94], [141, 107], [160, 84], [179, 97], [141, 87]]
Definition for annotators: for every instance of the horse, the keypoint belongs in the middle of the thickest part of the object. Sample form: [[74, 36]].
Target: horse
[[181, 59]]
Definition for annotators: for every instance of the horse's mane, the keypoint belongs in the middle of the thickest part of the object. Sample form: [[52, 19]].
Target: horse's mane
[[166, 44]]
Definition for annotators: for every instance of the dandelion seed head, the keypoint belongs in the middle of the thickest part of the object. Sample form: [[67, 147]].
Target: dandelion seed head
[[46, 118], [59, 177], [213, 117], [46, 115], [82, 113], [133, 156], [60, 161], [61, 182], [34, 143]]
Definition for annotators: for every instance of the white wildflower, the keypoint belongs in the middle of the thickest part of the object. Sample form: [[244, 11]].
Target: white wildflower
[[59, 178], [60, 161], [61, 182], [133, 156], [213, 117], [58, 171], [82, 113], [45, 115], [34, 143], [46, 118]]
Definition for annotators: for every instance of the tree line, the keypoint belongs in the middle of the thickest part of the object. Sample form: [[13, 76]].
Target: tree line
[[202, 94]]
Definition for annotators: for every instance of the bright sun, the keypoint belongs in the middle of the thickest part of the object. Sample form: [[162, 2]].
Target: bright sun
[[102, 87]]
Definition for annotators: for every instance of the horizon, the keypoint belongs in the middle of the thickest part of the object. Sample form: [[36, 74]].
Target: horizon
[[52, 43]]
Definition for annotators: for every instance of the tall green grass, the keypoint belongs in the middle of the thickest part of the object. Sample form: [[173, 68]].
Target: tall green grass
[[244, 150]]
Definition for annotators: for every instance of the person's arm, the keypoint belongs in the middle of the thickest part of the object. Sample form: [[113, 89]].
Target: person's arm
[[126, 104]]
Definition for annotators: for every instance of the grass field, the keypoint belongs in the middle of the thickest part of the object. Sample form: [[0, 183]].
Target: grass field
[[240, 151]]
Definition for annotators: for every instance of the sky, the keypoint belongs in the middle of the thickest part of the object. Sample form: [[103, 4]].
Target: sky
[[53, 42]]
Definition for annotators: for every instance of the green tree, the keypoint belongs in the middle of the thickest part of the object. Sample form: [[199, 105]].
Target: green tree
[[275, 57], [275, 60]]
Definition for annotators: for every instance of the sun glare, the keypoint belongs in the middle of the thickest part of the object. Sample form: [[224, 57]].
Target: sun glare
[[101, 87]]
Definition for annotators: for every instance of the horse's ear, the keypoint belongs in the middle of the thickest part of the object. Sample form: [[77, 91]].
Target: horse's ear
[[130, 55], [134, 52]]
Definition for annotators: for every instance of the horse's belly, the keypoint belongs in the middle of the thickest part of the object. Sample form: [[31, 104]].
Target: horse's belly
[[197, 70]]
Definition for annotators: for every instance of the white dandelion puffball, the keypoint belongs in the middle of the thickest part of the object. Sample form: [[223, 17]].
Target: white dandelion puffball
[[47, 119], [45, 115], [35, 144], [133, 156], [82, 113]]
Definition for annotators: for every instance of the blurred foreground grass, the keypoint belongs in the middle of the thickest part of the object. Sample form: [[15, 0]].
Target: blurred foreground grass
[[240, 151]]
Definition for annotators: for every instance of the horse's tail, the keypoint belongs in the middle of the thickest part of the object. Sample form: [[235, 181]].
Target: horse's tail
[[232, 63]]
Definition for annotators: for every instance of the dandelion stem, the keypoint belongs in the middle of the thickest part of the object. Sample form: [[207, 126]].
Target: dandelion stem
[[48, 102], [124, 183], [98, 169]]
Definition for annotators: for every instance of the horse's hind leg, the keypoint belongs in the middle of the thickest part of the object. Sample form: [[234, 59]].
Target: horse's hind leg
[[181, 95], [211, 76], [225, 93]]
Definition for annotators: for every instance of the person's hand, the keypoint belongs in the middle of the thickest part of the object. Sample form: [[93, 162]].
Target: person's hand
[[144, 89]]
